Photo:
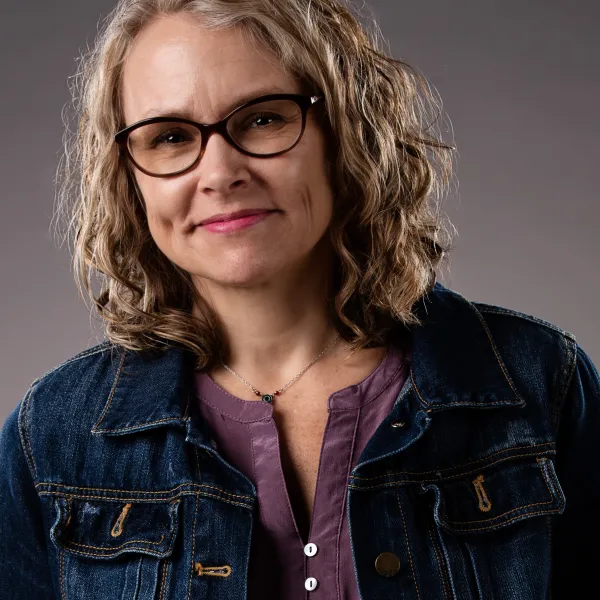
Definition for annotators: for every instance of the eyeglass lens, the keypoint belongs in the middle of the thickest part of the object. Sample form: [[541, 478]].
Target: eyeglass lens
[[264, 128]]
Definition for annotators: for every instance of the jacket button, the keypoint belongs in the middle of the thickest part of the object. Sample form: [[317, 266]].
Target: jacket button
[[387, 564]]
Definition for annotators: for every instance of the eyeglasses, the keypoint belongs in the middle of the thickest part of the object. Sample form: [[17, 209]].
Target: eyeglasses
[[266, 126]]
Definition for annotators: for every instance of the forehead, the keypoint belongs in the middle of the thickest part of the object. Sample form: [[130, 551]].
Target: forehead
[[176, 65]]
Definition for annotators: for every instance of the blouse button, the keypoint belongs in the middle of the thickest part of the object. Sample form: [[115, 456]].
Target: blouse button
[[310, 549], [310, 584]]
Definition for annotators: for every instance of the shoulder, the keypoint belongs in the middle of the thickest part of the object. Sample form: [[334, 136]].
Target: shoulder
[[525, 337], [453, 301], [541, 356], [72, 386], [478, 343], [64, 399], [520, 320], [77, 363], [513, 329]]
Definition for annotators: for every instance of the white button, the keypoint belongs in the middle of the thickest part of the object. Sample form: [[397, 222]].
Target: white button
[[310, 584], [310, 549]]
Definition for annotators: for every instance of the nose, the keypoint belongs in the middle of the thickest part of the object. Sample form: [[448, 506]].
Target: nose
[[222, 166]]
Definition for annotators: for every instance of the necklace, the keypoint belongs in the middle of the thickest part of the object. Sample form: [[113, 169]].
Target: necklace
[[269, 397]]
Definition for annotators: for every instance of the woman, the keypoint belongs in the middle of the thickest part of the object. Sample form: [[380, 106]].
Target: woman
[[287, 404]]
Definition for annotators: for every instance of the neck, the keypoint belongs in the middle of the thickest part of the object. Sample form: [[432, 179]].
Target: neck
[[275, 329]]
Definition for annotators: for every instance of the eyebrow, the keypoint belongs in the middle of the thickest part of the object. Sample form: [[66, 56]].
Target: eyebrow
[[239, 100]]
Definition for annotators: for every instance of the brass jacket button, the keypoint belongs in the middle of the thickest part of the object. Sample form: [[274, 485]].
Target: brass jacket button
[[387, 564]]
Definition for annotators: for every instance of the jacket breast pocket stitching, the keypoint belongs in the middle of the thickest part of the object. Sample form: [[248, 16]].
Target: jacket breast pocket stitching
[[69, 544], [119, 522], [141, 549], [451, 473], [491, 526], [519, 508], [554, 505], [99, 530]]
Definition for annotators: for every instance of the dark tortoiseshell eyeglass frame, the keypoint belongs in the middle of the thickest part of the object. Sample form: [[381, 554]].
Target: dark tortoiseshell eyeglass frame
[[302, 100]]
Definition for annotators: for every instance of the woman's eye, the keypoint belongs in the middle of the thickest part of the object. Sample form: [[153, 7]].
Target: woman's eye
[[262, 119], [171, 137]]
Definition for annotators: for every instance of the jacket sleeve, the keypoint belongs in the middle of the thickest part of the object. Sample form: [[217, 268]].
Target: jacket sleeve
[[576, 539], [24, 569]]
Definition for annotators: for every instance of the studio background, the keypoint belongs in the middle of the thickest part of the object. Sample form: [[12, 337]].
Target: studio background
[[520, 83]]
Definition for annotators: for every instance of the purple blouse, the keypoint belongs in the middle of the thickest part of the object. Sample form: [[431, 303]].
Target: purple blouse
[[281, 565]]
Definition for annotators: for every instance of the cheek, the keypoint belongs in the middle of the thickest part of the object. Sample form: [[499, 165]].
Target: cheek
[[164, 201], [309, 175], [320, 195]]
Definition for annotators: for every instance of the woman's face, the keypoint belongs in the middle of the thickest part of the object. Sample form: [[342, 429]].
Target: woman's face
[[176, 66]]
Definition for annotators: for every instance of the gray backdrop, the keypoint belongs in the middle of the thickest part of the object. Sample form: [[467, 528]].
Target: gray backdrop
[[520, 82]]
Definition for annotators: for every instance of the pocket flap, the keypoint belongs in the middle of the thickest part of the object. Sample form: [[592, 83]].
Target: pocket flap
[[498, 496], [105, 529]]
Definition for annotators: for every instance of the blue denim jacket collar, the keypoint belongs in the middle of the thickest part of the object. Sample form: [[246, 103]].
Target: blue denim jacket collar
[[147, 392], [454, 363]]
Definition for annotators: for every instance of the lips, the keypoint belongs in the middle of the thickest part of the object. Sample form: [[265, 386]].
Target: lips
[[236, 215]]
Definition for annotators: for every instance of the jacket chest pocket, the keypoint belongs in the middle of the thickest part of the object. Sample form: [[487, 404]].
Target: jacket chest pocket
[[112, 549], [493, 529]]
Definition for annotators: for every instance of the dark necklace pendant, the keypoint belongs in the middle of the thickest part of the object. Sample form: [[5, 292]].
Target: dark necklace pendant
[[267, 398]]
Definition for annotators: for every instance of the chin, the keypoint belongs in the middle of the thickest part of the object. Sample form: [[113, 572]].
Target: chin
[[244, 275]]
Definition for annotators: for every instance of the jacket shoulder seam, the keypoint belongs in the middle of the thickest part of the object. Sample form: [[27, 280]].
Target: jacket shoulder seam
[[568, 347], [23, 415], [567, 373], [24, 434], [97, 349], [501, 310]]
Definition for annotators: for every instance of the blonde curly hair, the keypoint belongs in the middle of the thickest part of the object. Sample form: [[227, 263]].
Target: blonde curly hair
[[388, 174]]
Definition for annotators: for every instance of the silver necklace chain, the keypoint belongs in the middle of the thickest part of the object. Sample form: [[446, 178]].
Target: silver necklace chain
[[269, 397]]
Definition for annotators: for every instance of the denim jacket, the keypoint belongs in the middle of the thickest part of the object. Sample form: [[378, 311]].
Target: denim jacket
[[483, 480]]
